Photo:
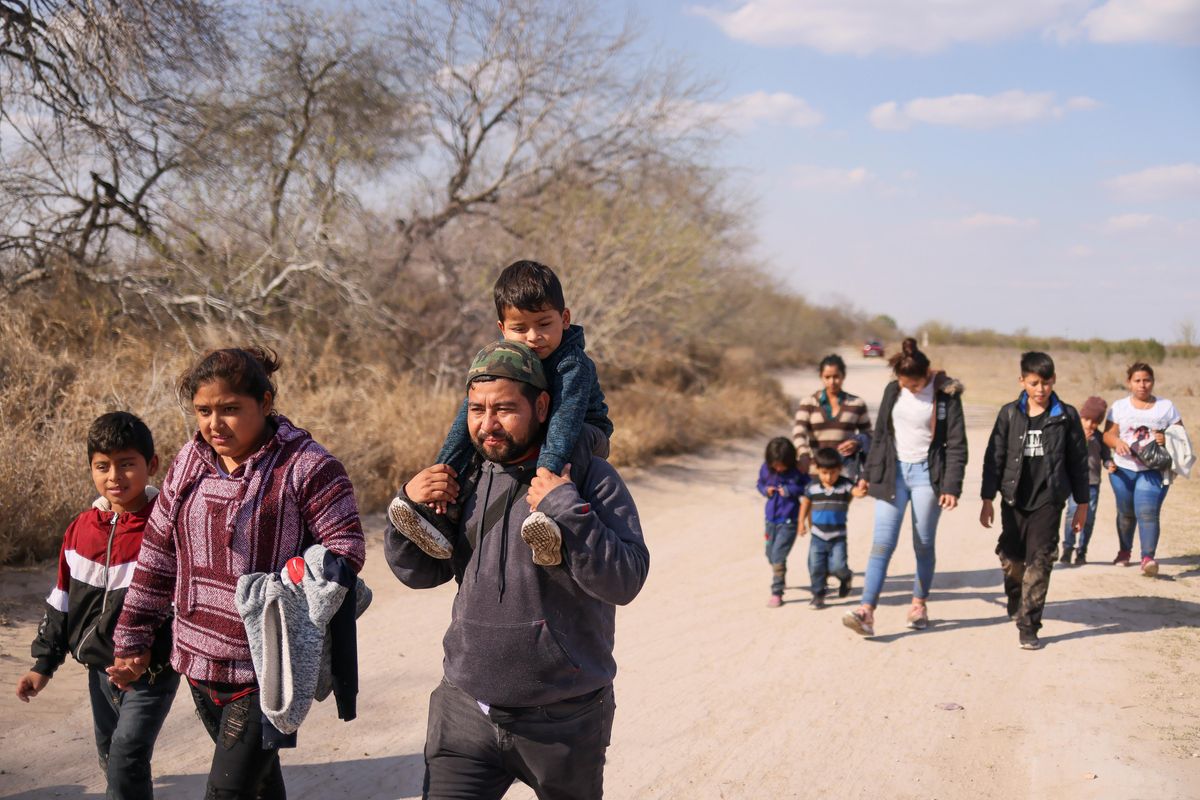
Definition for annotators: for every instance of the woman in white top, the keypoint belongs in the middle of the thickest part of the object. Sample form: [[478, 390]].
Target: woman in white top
[[918, 455], [1139, 490]]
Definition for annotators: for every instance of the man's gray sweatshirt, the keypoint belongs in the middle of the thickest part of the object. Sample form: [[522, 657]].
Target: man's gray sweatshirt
[[521, 635]]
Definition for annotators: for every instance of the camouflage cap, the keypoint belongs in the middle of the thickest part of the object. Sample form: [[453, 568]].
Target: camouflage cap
[[512, 360]]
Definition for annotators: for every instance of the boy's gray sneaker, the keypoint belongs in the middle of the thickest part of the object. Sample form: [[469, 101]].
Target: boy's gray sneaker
[[418, 530], [543, 537], [1030, 641]]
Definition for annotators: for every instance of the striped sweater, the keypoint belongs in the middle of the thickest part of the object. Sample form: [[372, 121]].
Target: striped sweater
[[207, 530], [814, 428]]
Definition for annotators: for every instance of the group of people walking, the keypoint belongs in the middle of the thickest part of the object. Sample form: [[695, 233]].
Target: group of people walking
[[1043, 455]]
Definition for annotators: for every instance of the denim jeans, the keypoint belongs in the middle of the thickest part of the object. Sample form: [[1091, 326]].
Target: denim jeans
[[127, 724], [780, 537], [1085, 535], [1139, 498], [912, 484], [826, 558]]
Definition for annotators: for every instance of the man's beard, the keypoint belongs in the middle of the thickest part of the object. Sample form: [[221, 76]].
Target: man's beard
[[510, 449]]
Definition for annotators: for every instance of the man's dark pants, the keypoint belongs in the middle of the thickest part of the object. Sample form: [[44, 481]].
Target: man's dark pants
[[1027, 545], [558, 749]]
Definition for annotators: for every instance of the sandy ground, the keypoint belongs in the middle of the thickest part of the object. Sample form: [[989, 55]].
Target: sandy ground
[[721, 697]]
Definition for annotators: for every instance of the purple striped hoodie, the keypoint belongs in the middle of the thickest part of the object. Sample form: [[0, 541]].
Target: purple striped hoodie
[[208, 529]]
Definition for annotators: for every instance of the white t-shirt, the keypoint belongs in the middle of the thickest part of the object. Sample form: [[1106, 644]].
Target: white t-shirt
[[1134, 424], [911, 419]]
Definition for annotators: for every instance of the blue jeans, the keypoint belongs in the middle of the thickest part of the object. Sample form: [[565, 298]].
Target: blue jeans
[[780, 538], [127, 724], [912, 484], [826, 558], [1085, 535], [1139, 498]]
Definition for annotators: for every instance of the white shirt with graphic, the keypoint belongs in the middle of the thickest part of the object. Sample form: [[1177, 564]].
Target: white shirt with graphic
[[1139, 424]]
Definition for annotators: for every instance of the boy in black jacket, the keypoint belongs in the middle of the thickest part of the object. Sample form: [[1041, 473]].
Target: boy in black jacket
[[1036, 458], [95, 566]]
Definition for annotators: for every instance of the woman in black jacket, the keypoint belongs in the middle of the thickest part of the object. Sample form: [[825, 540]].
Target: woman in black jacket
[[919, 455]]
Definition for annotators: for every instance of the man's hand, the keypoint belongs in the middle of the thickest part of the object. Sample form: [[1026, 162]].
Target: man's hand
[[433, 485], [948, 502], [1080, 518], [545, 482], [987, 514], [30, 684], [125, 671]]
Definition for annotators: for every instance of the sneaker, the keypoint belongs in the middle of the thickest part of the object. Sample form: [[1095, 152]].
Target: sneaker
[[859, 622], [1065, 558], [817, 602], [1149, 566], [543, 537], [775, 602], [1013, 604], [844, 587], [1080, 558], [410, 523], [1030, 641], [1122, 559], [918, 617]]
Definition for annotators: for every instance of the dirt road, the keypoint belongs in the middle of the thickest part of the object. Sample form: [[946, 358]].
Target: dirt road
[[721, 697]]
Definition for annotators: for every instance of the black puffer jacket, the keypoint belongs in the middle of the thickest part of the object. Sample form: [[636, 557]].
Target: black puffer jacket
[[1065, 446], [947, 452]]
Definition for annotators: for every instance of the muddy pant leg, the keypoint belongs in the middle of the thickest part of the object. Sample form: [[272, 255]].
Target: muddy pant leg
[[1011, 549], [1041, 541], [241, 769], [104, 713]]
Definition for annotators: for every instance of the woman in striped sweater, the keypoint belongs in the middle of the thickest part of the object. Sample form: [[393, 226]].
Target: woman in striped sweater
[[246, 494], [832, 418]]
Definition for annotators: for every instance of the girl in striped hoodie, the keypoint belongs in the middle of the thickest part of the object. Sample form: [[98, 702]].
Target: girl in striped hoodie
[[248, 492]]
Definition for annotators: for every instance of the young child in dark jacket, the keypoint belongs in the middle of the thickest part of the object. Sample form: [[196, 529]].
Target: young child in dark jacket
[[782, 483], [1091, 416], [95, 567], [1036, 458], [531, 310]]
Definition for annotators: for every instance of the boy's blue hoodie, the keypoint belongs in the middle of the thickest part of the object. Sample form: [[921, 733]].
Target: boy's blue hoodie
[[575, 399], [783, 506]]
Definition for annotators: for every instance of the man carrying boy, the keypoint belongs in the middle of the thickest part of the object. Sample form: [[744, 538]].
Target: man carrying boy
[[527, 690], [95, 566], [531, 310], [1091, 415], [824, 510], [1036, 458]]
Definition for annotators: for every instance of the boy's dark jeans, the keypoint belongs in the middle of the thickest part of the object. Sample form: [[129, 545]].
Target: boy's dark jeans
[[1028, 541], [558, 750], [127, 724], [825, 558], [241, 769]]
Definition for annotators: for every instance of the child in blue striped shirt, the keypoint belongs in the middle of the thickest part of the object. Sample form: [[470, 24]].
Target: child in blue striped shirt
[[824, 509]]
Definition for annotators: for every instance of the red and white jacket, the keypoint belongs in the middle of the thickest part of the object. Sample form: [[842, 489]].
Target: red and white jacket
[[95, 568]]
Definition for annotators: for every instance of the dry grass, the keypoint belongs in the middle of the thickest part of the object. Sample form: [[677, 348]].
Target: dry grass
[[384, 426]]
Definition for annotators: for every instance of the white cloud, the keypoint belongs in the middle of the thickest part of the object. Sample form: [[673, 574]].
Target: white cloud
[[1014, 107], [1171, 180], [862, 27], [1126, 223], [769, 108], [983, 220], [1166, 21], [809, 176]]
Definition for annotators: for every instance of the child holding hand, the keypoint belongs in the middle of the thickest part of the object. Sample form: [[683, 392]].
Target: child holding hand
[[782, 483]]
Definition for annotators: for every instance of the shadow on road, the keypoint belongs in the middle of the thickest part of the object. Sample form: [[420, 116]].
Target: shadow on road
[[390, 776]]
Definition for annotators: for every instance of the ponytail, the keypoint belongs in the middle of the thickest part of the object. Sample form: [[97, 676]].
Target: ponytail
[[910, 362], [245, 370]]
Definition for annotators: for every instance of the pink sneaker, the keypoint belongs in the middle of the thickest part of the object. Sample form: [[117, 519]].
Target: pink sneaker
[[1149, 567], [775, 602]]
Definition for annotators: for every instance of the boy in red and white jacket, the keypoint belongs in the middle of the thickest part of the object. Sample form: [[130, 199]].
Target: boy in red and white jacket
[[95, 566]]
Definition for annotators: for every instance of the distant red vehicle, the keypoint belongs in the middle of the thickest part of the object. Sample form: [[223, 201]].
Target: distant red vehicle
[[873, 349]]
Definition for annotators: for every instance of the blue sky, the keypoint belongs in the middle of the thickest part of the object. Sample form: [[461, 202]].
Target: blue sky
[[1027, 164]]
